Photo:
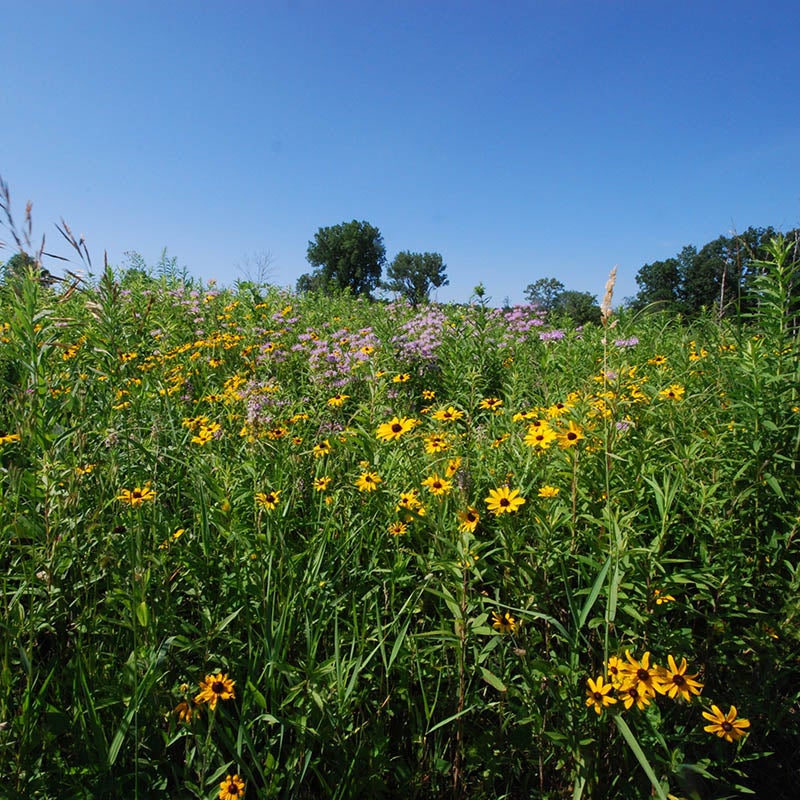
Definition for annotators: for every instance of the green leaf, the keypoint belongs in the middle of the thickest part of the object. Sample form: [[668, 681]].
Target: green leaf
[[493, 680]]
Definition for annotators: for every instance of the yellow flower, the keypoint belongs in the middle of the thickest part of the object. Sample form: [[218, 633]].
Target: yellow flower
[[571, 436], [321, 484], [447, 414], [368, 482], [337, 400], [468, 520], [504, 623], [268, 500], [674, 682], [437, 485], [214, 688], [662, 598], [186, 711], [597, 694], [436, 443], [504, 500], [726, 726], [403, 378], [616, 671], [659, 361], [549, 491], [321, 449], [453, 466], [395, 428], [397, 529], [631, 695], [232, 788], [137, 496], [490, 403], [428, 395], [674, 392], [541, 436], [640, 675]]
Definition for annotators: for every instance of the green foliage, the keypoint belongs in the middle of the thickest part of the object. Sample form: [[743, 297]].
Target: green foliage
[[348, 257], [579, 307], [370, 660], [413, 275], [544, 293], [719, 277]]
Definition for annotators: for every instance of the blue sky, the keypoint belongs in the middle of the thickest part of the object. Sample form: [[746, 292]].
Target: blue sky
[[520, 140]]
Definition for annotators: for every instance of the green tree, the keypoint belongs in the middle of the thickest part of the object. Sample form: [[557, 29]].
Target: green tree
[[349, 256], [413, 275], [659, 285], [544, 293], [21, 264], [580, 307]]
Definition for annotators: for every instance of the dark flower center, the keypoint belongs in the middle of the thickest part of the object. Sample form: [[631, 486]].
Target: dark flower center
[[396, 428], [678, 680], [643, 675], [727, 727], [218, 687], [504, 502]]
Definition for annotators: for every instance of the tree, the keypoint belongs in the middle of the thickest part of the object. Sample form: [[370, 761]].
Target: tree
[[21, 264], [659, 285], [413, 275], [544, 293], [349, 256], [580, 307]]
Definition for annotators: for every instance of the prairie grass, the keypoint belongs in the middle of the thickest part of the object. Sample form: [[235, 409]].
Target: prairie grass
[[219, 580]]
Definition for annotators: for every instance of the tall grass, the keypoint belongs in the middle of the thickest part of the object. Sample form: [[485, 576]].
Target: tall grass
[[167, 519]]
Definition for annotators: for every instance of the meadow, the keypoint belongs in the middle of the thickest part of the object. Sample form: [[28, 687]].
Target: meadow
[[258, 544]]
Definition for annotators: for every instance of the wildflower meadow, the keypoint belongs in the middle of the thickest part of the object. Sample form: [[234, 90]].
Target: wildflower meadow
[[259, 544]]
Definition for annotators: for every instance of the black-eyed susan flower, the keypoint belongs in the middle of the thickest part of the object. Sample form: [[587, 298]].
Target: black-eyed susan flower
[[504, 500], [504, 623], [571, 436], [549, 491], [337, 400], [490, 404], [268, 500], [215, 687], [640, 674], [8, 438], [232, 788], [321, 449], [540, 436], [674, 392], [368, 481], [137, 496], [453, 465], [437, 485], [436, 443], [395, 428], [468, 520], [449, 414], [398, 528], [186, 711], [632, 696], [726, 726], [598, 694], [674, 682], [616, 671], [321, 484]]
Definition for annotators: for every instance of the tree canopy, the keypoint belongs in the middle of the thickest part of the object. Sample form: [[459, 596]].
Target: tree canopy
[[544, 293], [413, 275], [719, 276], [349, 256]]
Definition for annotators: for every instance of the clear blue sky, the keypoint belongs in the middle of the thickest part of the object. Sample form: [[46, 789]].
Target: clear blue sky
[[520, 140]]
